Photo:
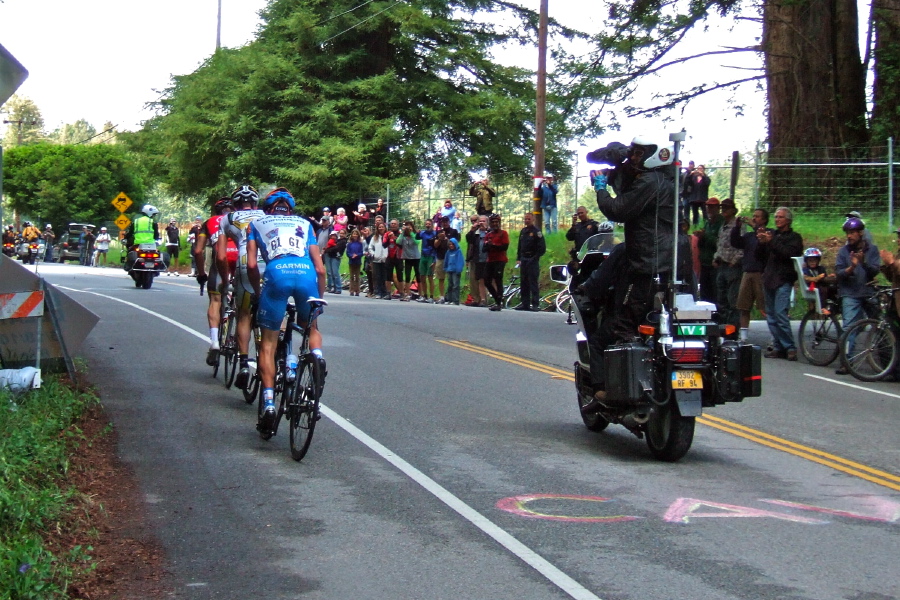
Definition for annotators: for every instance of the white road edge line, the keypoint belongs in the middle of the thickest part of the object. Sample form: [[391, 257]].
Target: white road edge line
[[526, 554], [856, 387]]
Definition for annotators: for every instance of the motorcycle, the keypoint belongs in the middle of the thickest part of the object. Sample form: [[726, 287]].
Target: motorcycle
[[9, 249], [28, 251], [680, 361], [148, 264]]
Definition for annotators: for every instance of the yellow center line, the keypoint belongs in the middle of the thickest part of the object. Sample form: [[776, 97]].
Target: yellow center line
[[838, 463]]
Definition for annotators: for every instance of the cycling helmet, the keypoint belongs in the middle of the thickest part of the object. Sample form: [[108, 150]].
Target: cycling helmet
[[27, 224], [606, 227], [245, 194], [150, 210], [812, 253], [276, 195], [854, 224], [646, 154], [221, 204]]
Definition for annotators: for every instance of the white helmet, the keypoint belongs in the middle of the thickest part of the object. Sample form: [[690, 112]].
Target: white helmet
[[150, 210], [606, 227], [652, 155]]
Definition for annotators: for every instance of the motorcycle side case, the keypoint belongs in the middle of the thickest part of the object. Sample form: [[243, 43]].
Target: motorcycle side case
[[743, 365], [629, 373]]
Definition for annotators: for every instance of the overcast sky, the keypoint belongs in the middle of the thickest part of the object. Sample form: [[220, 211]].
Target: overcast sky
[[101, 60]]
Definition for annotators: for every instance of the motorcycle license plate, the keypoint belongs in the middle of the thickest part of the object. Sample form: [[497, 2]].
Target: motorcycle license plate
[[687, 380]]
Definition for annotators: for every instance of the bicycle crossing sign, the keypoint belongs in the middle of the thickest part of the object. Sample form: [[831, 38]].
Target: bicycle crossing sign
[[121, 203], [122, 222]]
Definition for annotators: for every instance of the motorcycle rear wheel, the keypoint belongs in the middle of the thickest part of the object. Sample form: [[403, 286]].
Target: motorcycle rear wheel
[[669, 435], [146, 280], [593, 421]]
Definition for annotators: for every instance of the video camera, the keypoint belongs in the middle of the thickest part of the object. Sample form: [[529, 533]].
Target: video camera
[[613, 154]]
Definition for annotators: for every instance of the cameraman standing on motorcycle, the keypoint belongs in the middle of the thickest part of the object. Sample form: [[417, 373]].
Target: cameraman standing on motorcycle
[[644, 203]]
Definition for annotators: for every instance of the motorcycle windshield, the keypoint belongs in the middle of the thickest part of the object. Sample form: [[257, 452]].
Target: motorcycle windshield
[[602, 242]]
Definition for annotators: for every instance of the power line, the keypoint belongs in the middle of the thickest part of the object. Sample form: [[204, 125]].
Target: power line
[[363, 21], [95, 135]]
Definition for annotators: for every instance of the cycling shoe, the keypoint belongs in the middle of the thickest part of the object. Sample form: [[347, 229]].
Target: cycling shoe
[[243, 378]]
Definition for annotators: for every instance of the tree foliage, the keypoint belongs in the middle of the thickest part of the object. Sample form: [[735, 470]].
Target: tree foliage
[[334, 100], [60, 184], [25, 123]]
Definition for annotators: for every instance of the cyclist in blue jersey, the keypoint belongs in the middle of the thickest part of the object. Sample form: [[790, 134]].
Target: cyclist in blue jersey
[[294, 267]]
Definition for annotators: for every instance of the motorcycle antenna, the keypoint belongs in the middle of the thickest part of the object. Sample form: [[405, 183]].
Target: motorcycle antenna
[[678, 138]]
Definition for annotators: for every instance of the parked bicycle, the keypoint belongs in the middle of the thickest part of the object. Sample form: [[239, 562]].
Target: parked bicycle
[[299, 381], [820, 333], [512, 293], [868, 348]]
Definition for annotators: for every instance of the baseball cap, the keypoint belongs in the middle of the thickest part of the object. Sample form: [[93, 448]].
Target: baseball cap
[[712, 201], [853, 214], [326, 209], [103, 229], [173, 220]]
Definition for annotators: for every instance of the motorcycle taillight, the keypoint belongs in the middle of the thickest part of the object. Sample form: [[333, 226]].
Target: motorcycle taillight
[[687, 354]]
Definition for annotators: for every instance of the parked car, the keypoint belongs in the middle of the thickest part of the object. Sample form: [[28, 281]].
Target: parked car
[[69, 245]]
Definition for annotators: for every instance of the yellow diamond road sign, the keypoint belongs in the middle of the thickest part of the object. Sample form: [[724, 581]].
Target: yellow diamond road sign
[[123, 222], [121, 202]]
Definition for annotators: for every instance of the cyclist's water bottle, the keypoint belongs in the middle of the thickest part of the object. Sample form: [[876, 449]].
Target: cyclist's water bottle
[[292, 367]]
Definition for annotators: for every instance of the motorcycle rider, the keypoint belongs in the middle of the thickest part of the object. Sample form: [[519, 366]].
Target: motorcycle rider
[[143, 230], [9, 237], [644, 203], [30, 232], [234, 225]]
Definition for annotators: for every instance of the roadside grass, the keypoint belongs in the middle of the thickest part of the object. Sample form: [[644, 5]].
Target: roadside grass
[[37, 436]]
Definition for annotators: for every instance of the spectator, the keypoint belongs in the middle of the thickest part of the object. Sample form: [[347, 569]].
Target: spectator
[[448, 210], [87, 246], [366, 238], [815, 277], [751, 290], [380, 210], [448, 230], [441, 244], [484, 197], [355, 251], [890, 267], [858, 262], [102, 244], [377, 253], [173, 246], [411, 256], [729, 269], [776, 250], [426, 263], [686, 188], [191, 239], [453, 266], [394, 258], [699, 186], [495, 244], [708, 241], [334, 252], [341, 221], [456, 223], [855, 214], [326, 222], [583, 227], [49, 236], [532, 247], [476, 258], [361, 216], [548, 203]]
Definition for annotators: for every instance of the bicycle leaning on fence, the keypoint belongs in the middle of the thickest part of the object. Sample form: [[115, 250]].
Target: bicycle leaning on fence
[[299, 382]]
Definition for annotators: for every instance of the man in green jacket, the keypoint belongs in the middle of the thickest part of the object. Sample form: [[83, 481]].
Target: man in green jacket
[[707, 242]]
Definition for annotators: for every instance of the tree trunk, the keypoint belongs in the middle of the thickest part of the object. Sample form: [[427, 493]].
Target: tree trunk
[[886, 92]]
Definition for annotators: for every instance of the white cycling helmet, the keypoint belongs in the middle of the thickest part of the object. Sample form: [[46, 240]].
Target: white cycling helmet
[[606, 227], [652, 154], [150, 210]]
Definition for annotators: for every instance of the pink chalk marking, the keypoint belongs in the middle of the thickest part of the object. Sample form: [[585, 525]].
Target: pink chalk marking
[[884, 511], [517, 506], [685, 509]]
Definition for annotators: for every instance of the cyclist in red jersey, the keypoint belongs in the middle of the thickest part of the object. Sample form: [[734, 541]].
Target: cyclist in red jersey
[[209, 233]]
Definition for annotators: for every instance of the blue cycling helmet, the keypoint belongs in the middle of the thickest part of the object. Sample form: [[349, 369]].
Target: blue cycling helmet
[[276, 195]]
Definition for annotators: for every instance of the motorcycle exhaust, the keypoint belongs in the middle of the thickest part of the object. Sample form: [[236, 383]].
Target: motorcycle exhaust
[[633, 420]]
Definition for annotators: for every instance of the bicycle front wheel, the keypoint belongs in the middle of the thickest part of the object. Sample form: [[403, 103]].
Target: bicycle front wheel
[[513, 298], [869, 350], [563, 301], [304, 408], [820, 338]]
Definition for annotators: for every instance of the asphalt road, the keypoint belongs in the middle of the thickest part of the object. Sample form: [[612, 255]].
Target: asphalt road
[[453, 464]]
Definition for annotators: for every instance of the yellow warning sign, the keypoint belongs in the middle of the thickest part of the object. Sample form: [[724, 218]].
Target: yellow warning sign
[[123, 222], [121, 202]]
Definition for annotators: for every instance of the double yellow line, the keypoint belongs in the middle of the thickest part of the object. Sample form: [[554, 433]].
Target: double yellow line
[[883, 478]]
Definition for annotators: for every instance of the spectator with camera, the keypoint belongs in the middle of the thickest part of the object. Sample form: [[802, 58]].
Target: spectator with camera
[[549, 190], [583, 227], [699, 194], [776, 250], [484, 197], [708, 242], [751, 290], [729, 269], [426, 264], [476, 258]]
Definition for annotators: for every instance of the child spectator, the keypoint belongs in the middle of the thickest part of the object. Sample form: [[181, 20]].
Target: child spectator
[[815, 276], [453, 267], [355, 250]]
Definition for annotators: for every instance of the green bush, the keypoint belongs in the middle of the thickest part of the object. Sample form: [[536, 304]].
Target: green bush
[[37, 434]]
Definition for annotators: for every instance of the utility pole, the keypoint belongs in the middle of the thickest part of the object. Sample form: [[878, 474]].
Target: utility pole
[[540, 119], [219, 28], [19, 123]]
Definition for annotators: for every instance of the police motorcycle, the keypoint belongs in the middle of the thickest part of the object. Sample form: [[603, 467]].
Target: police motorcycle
[[679, 362], [30, 252], [145, 262]]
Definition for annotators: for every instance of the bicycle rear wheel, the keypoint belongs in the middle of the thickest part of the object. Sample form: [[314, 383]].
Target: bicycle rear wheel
[[230, 351], [869, 350], [820, 338], [304, 409], [513, 298], [563, 301], [222, 331], [253, 385]]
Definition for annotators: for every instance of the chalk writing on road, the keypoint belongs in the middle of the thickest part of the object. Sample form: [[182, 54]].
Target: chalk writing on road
[[519, 505]]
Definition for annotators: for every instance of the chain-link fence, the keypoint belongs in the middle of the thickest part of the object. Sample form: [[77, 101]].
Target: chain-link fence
[[816, 183]]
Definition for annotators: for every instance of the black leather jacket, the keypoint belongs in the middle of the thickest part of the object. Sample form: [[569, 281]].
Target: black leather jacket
[[645, 205]]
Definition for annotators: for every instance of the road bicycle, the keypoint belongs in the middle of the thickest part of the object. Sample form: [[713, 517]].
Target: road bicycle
[[299, 381], [228, 348], [254, 382], [512, 293], [820, 333], [869, 346]]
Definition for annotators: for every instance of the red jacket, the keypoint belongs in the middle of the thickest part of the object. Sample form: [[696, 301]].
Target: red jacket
[[496, 243]]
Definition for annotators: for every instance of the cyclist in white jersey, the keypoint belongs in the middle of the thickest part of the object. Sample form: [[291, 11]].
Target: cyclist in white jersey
[[234, 225], [294, 268]]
